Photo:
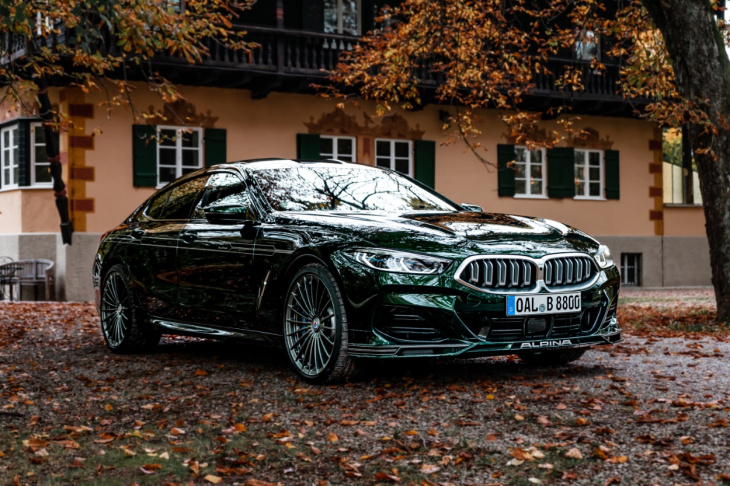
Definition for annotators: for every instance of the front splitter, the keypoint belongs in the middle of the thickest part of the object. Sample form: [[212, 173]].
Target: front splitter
[[481, 348]]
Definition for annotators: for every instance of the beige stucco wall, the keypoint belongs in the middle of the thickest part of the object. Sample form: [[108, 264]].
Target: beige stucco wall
[[684, 221], [268, 128], [28, 211]]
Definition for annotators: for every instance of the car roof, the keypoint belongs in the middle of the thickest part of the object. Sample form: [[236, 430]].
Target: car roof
[[276, 163]]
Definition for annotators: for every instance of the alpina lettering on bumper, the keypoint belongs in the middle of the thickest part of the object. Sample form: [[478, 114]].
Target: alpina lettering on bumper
[[547, 344]]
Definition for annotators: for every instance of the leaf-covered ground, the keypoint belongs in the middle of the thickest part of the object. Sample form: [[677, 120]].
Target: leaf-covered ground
[[653, 410]]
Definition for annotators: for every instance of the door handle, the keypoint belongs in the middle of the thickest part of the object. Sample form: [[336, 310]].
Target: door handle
[[138, 233], [189, 236]]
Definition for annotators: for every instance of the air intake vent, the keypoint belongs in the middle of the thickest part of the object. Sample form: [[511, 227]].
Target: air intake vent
[[568, 271], [499, 273]]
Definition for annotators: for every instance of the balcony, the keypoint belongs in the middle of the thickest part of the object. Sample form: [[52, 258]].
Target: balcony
[[291, 60]]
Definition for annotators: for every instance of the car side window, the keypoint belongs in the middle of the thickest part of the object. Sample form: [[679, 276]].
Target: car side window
[[180, 199], [223, 188], [156, 207]]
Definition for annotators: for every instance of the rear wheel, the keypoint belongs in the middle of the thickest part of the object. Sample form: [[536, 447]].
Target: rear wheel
[[123, 330], [315, 326], [552, 356]]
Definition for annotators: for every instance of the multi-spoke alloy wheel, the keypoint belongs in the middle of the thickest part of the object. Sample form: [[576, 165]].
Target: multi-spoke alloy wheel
[[116, 310], [315, 326], [119, 322]]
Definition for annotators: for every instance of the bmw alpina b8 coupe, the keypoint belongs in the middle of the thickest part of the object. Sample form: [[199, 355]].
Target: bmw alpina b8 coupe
[[340, 263]]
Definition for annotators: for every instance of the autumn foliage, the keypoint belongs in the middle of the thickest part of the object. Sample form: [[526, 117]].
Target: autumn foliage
[[94, 44]]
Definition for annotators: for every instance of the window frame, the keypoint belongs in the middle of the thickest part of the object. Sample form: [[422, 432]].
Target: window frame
[[179, 149], [335, 153], [392, 158], [14, 152], [33, 162], [528, 173], [586, 174]]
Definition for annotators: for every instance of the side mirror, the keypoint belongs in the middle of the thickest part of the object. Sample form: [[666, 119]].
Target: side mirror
[[471, 207], [227, 213]]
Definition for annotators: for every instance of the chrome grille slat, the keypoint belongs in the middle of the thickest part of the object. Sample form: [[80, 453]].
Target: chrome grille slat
[[488, 273], [568, 270], [515, 269], [527, 272], [502, 273], [474, 269]]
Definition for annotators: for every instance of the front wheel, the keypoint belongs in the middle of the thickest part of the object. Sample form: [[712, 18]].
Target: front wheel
[[123, 330], [315, 326], [552, 356]]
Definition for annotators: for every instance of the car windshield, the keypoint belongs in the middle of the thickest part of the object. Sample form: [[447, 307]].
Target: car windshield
[[345, 189]]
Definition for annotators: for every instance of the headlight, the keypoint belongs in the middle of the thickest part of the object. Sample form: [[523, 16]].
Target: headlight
[[399, 261], [603, 257]]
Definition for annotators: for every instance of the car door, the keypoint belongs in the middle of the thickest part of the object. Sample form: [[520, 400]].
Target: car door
[[215, 258], [152, 256]]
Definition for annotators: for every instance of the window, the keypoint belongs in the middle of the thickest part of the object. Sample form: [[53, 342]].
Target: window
[[9, 157], [223, 188], [631, 269], [341, 17], [587, 45], [529, 172], [179, 151], [340, 148], [40, 166], [173, 6], [589, 174], [177, 202], [679, 171], [394, 155]]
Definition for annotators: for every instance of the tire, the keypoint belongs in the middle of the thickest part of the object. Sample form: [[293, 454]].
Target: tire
[[123, 329], [554, 357], [315, 327]]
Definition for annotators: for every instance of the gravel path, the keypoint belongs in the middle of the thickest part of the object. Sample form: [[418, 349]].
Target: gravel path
[[647, 411]]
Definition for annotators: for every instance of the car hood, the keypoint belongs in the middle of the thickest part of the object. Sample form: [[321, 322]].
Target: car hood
[[452, 234]]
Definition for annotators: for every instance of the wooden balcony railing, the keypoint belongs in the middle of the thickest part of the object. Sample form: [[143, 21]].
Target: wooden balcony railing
[[292, 53]]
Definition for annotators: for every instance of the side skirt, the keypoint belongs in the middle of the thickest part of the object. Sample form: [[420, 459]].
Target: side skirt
[[188, 329]]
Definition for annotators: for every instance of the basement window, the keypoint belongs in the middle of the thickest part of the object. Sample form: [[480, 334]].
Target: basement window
[[631, 269]]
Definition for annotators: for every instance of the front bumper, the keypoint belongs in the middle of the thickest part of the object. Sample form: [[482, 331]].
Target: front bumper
[[404, 316], [612, 335]]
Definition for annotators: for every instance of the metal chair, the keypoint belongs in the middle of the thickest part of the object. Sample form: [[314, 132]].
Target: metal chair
[[8, 278], [36, 273]]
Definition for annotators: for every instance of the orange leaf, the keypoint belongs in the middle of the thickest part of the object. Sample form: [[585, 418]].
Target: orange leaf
[[574, 453]]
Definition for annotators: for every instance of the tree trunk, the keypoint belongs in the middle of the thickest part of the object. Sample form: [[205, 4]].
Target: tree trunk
[[702, 69], [54, 157]]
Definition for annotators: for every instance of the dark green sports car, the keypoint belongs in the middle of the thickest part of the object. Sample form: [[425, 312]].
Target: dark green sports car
[[340, 263]]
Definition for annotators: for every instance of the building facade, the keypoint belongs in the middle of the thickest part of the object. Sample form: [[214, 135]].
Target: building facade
[[610, 181]]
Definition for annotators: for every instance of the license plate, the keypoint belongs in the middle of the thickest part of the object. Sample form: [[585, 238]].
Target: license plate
[[523, 305]]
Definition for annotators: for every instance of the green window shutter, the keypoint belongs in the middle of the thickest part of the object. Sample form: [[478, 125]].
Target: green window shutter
[[561, 172], [612, 174], [505, 173], [144, 155], [308, 146], [215, 146], [24, 148], [426, 162]]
